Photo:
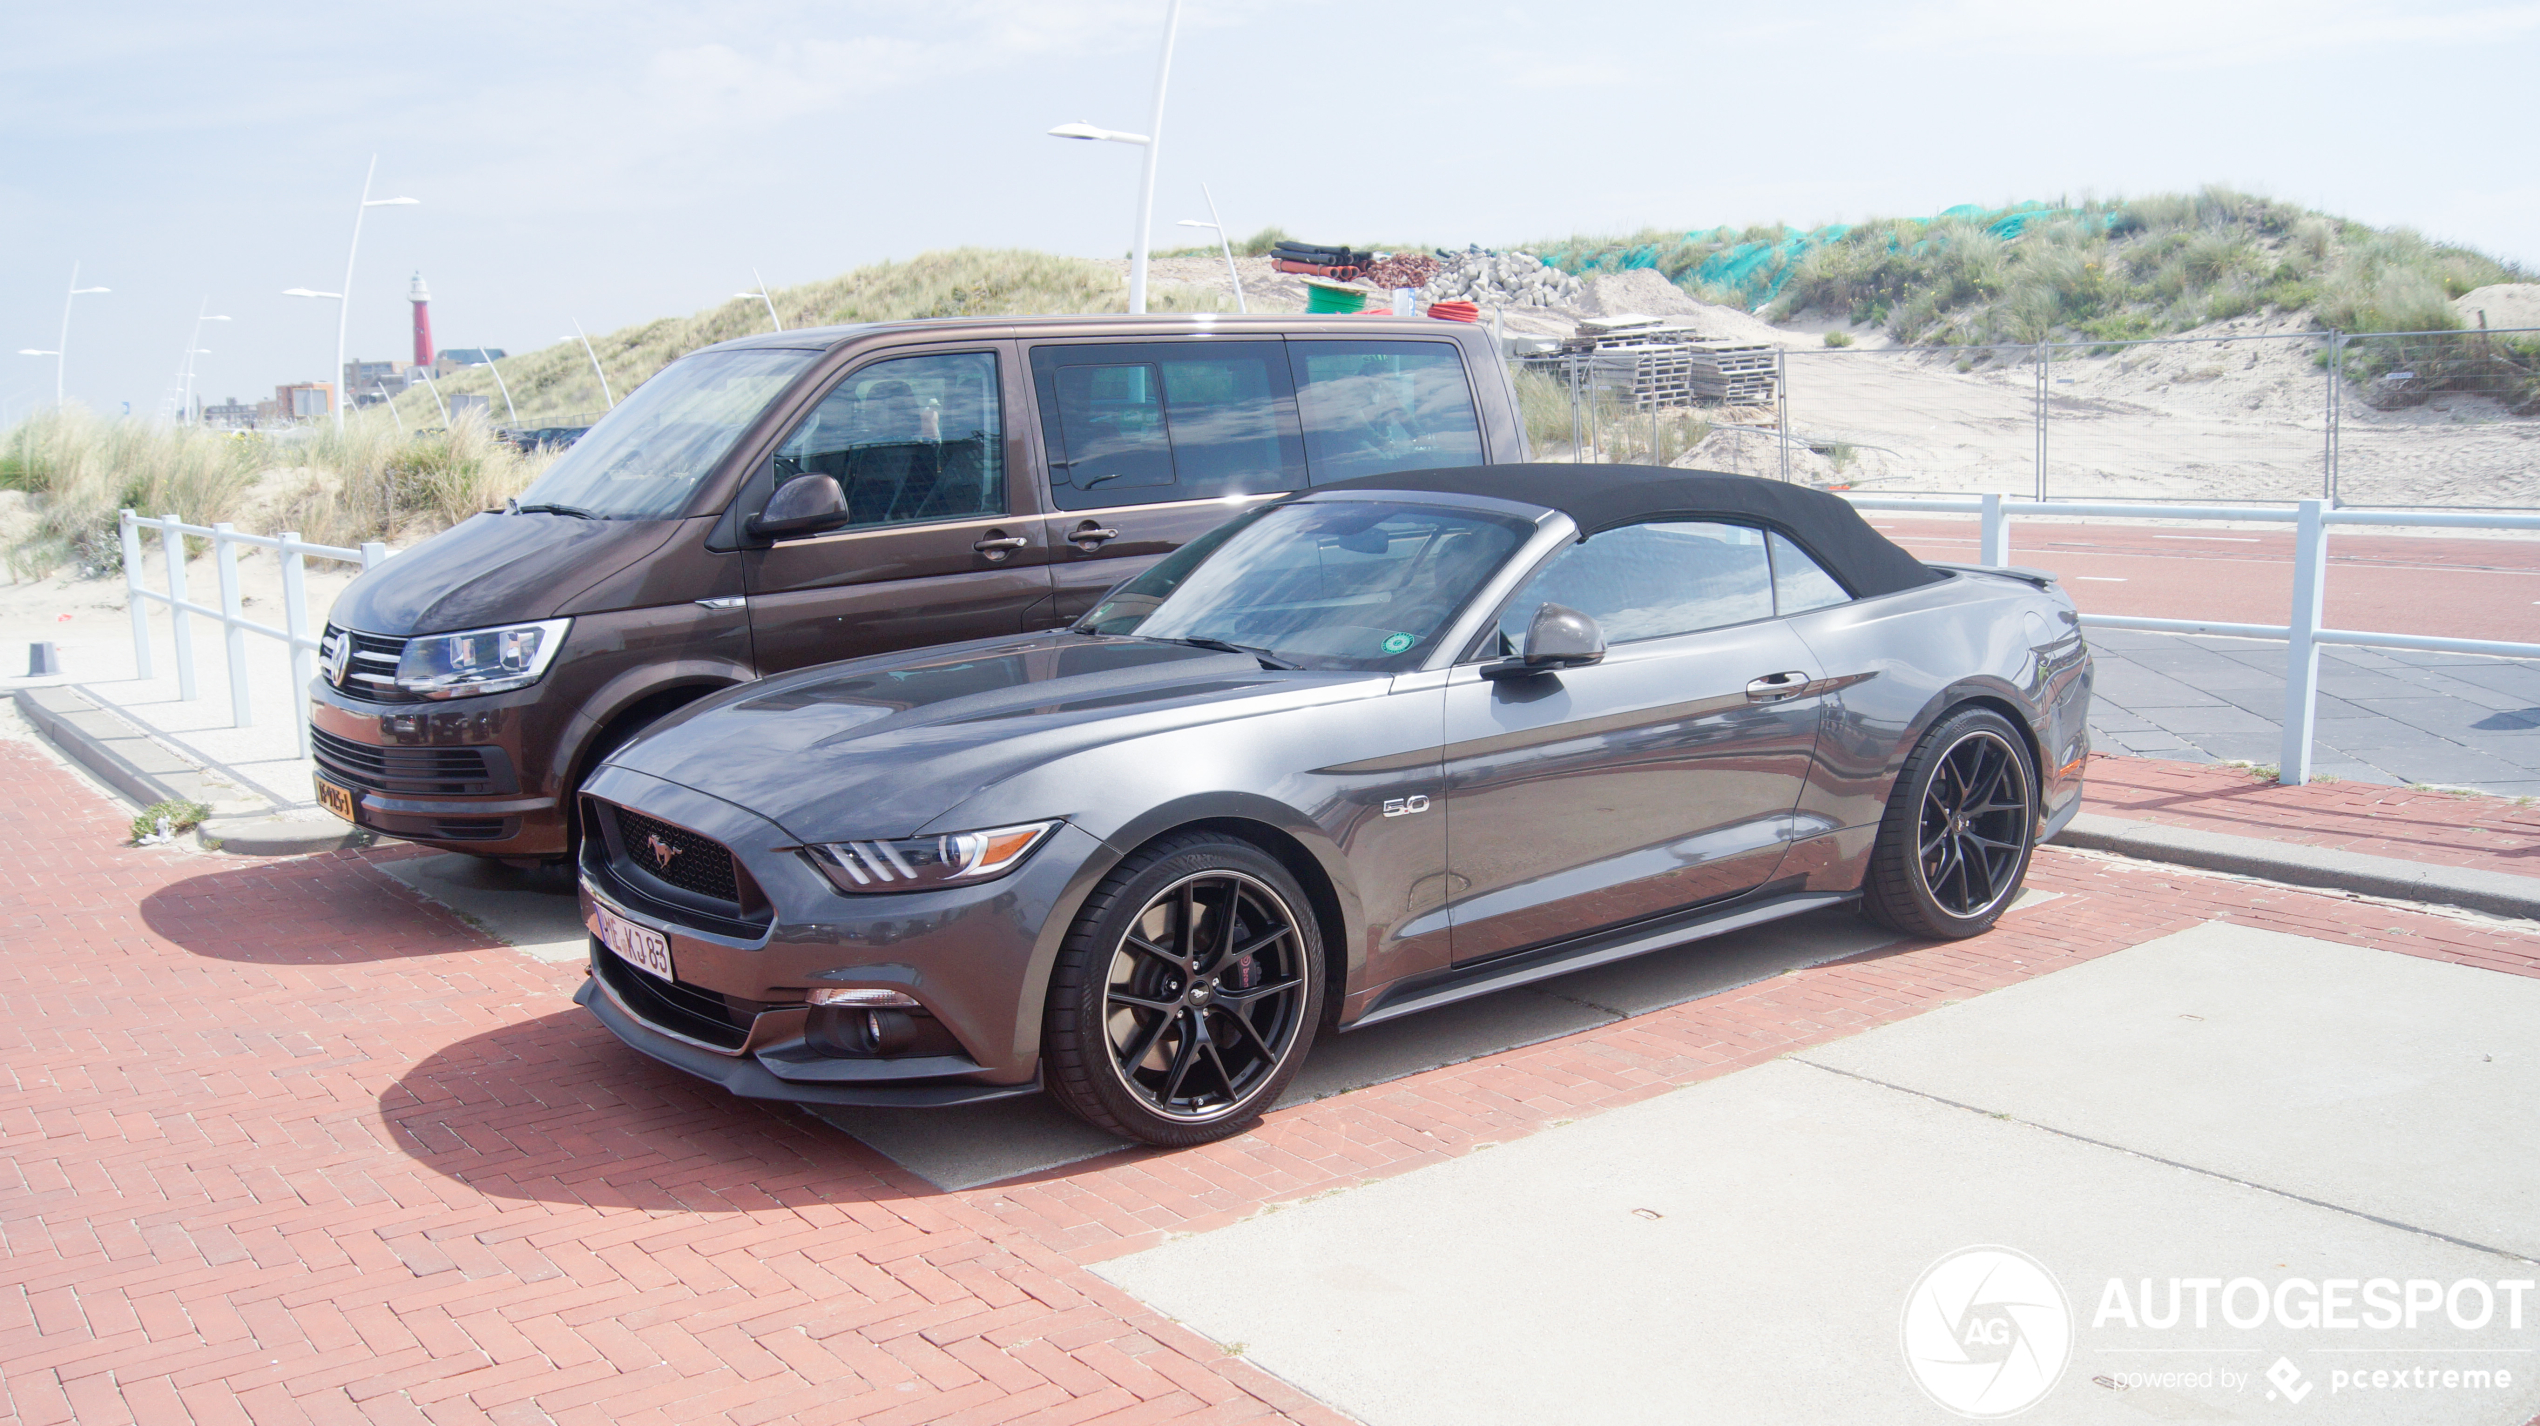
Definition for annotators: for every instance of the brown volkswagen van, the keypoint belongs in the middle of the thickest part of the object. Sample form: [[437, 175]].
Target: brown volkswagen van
[[807, 496]]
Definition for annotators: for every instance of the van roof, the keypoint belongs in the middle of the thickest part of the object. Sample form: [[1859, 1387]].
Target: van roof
[[1096, 324]]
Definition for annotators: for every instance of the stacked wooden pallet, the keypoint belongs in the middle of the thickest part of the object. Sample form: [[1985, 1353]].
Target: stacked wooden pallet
[[1665, 364]]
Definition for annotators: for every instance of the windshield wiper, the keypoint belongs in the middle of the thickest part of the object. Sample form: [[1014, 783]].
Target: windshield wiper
[[1268, 659], [575, 511]]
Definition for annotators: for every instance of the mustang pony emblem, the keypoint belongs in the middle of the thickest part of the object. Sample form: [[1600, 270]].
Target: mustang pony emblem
[[662, 851]]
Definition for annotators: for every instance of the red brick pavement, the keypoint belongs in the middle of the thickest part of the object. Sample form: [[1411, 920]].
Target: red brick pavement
[[2442, 828], [285, 1143]]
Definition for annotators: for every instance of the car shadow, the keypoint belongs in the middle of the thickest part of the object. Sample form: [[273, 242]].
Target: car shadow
[[555, 1110], [319, 910]]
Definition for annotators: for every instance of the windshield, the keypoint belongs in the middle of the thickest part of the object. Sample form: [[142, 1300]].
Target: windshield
[[644, 459], [1338, 584]]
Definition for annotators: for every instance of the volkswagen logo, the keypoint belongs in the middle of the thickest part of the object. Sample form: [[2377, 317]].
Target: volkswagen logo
[[335, 654], [662, 851]]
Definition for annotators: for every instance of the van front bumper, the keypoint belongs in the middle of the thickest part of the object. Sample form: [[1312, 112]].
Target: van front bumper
[[459, 775]]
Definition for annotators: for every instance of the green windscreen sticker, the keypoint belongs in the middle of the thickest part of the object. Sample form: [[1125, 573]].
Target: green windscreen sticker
[[1396, 643]]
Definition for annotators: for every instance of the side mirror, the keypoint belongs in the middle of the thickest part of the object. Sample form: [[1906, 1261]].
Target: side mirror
[[1559, 637], [801, 506]]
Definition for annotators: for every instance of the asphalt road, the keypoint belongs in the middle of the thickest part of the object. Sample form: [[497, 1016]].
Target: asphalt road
[[2394, 584]]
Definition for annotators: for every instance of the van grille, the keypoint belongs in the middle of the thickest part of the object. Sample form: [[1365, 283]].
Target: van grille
[[449, 772], [372, 673]]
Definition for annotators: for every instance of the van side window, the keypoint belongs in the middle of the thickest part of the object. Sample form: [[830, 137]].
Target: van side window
[[1374, 407], [910, 439], [1138, 423]]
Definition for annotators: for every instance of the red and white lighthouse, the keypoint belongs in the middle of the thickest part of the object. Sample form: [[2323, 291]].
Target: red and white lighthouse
[[422, 298]]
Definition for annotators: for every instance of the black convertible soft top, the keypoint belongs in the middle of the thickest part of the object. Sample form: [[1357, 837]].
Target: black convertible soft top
[[1601, 497]]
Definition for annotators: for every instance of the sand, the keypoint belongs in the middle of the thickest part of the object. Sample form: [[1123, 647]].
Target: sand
[[2506, 304]]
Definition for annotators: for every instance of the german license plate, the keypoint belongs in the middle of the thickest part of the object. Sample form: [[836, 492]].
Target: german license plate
[[338, 800], [639, 946]]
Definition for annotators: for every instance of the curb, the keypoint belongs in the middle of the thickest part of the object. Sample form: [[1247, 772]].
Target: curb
[[271, 837], [90, 735], [2494, 892]]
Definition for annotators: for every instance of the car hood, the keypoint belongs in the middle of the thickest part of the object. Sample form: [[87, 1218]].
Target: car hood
[[881, 747], [493, 569]]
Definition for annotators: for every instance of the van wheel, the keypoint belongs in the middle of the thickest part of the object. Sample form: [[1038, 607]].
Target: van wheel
[[1960, 826], [1186, 994]]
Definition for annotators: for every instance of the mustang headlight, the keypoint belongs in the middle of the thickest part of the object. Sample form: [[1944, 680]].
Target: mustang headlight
[[480, 660], [924, 863]]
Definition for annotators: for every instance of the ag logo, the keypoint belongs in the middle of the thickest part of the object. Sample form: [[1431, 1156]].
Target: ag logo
[[334, 652], [1987, 1332]]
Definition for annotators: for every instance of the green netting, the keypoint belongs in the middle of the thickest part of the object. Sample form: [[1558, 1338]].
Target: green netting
[[1726, 260]]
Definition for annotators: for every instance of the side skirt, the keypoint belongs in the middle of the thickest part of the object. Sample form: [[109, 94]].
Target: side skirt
[[1427, 992]]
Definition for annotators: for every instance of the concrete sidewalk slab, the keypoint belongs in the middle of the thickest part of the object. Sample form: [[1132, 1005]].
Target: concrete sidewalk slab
[[2386, 1084], [1742, 1250], [534, 910]]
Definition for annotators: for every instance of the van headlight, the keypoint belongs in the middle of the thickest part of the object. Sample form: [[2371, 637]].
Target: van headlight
[[480, 660], [924, 863]]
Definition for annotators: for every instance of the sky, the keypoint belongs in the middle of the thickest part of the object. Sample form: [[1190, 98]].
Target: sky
[[610, 163]]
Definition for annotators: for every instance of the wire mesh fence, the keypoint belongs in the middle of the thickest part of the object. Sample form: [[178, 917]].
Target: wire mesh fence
[[2403, 419]]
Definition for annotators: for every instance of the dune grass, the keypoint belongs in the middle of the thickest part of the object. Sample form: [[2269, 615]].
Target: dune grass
[[80, 468], [2113, 269]]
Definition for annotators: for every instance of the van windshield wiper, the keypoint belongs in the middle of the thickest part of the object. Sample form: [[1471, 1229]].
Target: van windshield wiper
[[1268, 659], [575, 511]]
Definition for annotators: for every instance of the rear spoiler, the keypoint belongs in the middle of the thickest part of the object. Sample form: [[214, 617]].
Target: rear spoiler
[[2043, 579]]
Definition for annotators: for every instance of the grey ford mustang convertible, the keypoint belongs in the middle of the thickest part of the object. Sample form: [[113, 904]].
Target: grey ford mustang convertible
[[1385, 745]]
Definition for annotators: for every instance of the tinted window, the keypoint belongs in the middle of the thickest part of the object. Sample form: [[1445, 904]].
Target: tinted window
[[644, 459], [914, 438], [1132, 423], [1800, 583], [1650, 581], [1373, 407]]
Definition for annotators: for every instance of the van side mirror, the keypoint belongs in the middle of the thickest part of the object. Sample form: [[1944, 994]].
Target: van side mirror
[[802, 506], [1558, 637]]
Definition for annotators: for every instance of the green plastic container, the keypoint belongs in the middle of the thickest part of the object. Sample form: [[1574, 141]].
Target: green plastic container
[[1328, 299]]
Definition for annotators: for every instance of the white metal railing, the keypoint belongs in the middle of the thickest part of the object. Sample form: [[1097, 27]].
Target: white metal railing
[[294, 634], [2310, 520]]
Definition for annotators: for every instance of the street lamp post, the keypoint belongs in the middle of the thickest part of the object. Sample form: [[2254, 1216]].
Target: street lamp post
[[595, 365], [343, 300], [185, 401], [501, 385], [1223, 246], [1152, 140], [64, 343], [761, 295]]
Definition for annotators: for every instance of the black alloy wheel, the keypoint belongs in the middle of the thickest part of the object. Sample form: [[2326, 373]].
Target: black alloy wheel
[[1960, 826], [1186, 994]]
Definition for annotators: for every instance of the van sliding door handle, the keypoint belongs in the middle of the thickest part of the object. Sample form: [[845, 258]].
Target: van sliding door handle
[[1089, 534], [1774, 687]]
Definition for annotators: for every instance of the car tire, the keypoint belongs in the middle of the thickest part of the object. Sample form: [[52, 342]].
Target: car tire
[[1162, 1026], [1960, 827]]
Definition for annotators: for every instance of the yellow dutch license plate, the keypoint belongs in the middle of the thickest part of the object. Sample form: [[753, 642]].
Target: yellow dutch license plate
[[338, 800]]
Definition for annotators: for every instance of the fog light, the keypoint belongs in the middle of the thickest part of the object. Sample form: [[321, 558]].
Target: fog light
[[864, 999]]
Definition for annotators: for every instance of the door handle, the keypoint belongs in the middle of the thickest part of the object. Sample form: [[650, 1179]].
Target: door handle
[[997, 547], [1774, 687], [1088, 535]]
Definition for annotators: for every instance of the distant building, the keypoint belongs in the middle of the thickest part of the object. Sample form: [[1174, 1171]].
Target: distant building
[[365, 378], [301, 401], [232, 413], [455, 358]]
